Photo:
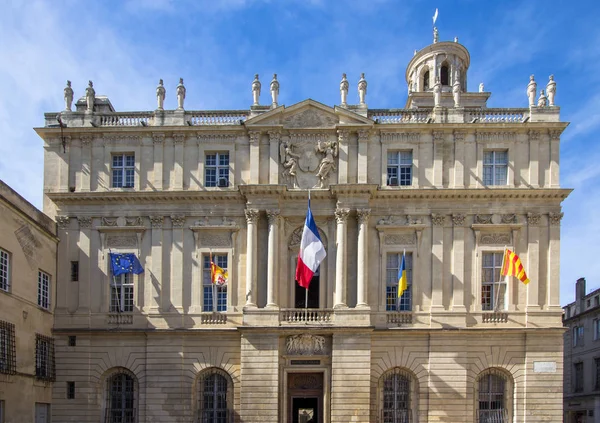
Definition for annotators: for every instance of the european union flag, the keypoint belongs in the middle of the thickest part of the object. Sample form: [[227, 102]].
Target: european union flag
[[125, 263]]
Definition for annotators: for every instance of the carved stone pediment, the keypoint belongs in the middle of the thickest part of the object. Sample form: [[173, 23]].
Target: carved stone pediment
[[310, 118], [305, 344]]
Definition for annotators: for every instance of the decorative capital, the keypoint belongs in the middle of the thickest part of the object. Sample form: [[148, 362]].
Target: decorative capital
[[158, 138], [343, 135], [438, 219], [178, 138], [178, 220], [509, 218], [555, 218], [534, 135], [554, 134], [459, 136], [533, 219], [363, 135], [254, 136], [273, 216], [438, 136], [156, 222], [483, 219], [84, 222], [458, 219], [251, 216], [274, 136], [362, 215], [62, 221], [341, 215], [86, 140]]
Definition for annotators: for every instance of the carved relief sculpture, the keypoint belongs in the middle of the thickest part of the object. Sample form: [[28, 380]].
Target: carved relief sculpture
[[414, 220], [542, 100], [178, 221], [62, 221], [362, 89], [274, 91], [400, 239], [533, 219], [68, 92], [509, 218], [495, 239], [289, 160], [84, 222], [458, 219], [160, 95], [329, 149], [362, 215], [180, 94], [341, 215], [90, 96], [156, 222], [251, 216], [438, 219], [555, 218], [256, 91], [531, 91], [109, 221], [483, 219], [551, 90], [344, 87], [305, 344]]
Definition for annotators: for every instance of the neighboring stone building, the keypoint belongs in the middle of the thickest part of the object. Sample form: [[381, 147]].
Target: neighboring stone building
[[446, 180], [582, 356], [27, 285]]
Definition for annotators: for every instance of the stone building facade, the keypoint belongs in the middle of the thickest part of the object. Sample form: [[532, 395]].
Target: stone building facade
[[28, 246], [582, 359], [446, 182]]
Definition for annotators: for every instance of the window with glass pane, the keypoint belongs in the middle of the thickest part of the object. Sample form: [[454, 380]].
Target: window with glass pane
[[216, 170], [492, 398], [597, 363], [578, 377], [396, 397], [493, 286], [212, 290], [43, 289], [578, 336], [399, 168], [596, 329], [4, 270], [495, 167], [121, 293], [44, 357], [123, 170], [120, 399], [212, 398], [8, 362], [392, 303]]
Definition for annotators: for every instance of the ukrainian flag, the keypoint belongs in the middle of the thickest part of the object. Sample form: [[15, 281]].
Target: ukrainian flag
[[402, 282]]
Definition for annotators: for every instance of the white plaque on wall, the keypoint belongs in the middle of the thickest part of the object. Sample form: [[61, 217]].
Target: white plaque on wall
[[544, 366]]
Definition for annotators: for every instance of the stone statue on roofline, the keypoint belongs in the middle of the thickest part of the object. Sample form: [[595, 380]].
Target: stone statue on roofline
[[437, 93], [481, 87], [255, 91], [362, 89], [160, 95], [90, 96], [274, 91], [531, 91], [436, 35], [456, 92], [180, 94], [344, 87], [551, 90], [68, 91], [542, 101]]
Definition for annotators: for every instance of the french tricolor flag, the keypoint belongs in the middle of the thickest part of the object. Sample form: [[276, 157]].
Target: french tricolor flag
[[312, 251]]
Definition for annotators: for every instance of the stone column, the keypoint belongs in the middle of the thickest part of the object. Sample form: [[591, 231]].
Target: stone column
[[177, 222], [85, 229], [553, 287], [554, 158], [460, 159], [272, 256], [86, 164], [341, 216], [363, 143], [533, 259], [437, 258], [438, 158], [254, 140], [251, 285], [63, 154], [274, 140], [179, 142], [343, 156], [458, 263], [534, 159], [362, 216], [153, 287], [158, 161], [63, 278]]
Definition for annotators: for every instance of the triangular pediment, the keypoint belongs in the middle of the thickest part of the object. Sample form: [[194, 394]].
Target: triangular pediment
[[308, 114]]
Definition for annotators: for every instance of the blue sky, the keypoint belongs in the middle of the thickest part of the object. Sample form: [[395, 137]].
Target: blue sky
[[217, 47]]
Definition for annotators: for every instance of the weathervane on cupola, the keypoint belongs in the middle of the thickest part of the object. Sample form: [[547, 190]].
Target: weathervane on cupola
[[435, 30]]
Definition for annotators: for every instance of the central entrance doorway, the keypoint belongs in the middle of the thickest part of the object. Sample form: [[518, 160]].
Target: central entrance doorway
[[305, 397]]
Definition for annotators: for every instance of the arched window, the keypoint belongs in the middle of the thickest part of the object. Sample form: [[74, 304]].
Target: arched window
[[214, 396], [426, 81], [120, 398], [492, 397], [444, 80], [397, 397]]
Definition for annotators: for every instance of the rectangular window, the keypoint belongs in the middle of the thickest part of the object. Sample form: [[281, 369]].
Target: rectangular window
[[493, 287], [44, 357], [392, 302], [578, 377], [43, 290], [212, 290], [72, 340], [495, 167], [74, 271], [4, 270], [216, 170], [123, 170], [596, 329], [399, 168], [597, 363], [1, 411], [70, 390], [8, 362], [121, 293], [577, 336]]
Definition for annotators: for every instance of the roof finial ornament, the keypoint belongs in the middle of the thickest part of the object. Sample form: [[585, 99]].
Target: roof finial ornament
[[255, 90], [344, 86], [435, 31]]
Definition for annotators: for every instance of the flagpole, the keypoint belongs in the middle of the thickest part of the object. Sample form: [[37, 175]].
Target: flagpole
[[306, 291]]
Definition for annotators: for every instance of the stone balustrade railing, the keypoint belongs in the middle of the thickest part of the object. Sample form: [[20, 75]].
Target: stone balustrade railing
[[400, 317], [119, 319], [126, 119], [388, 116], [234, 117], [212, 318], [494, 317], [311, 315], [496, 115]]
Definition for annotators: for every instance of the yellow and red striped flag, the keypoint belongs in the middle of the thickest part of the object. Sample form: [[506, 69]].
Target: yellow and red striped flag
[[512, 266]]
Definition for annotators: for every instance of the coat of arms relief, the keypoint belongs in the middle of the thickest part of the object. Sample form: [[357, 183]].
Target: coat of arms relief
[[308, 160]]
